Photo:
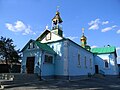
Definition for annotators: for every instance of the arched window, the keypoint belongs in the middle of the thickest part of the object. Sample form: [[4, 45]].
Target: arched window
[[78, 59], [106, 63], [85, 62], [90, 63]]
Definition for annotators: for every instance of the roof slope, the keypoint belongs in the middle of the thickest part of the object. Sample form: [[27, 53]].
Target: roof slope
[[43, 35], [103, 50], [44, 46]]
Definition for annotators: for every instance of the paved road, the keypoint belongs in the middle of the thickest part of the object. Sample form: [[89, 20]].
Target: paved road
[[86, 84]]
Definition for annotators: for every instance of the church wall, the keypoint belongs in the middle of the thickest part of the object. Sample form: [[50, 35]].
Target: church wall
[[40, 67], [112, 68], [66, 60], [59, 60], [47, 69], [79, 67]]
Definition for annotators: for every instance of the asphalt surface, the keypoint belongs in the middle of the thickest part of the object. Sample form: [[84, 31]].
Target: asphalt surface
[[86, 84]]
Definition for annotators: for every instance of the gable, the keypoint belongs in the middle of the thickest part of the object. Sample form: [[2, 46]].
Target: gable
[[27, 45], [48, 36], [37, 45], [43, 35]]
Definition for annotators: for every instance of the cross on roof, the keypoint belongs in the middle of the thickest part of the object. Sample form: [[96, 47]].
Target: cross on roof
[[83, 31]]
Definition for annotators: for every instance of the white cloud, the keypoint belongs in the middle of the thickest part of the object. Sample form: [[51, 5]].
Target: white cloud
[[19, 26], [96, 21], [94, 25], [72, 37], [94, 46], [105, 22], [118, 31], [114, 26], [108, 28]]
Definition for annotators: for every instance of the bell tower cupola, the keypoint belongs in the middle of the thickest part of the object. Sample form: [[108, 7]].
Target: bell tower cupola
[[83, 39], [57, 24]]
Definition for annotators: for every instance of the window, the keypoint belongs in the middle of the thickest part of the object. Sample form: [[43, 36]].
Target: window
[[31, 45], [48, 59], [90, 63], [78, 59], [48, 37], [85, 62], [106, 63]]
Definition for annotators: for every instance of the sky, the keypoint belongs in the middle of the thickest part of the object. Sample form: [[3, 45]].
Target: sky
[[22, 20]]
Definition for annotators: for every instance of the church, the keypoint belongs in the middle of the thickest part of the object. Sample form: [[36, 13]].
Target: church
[[53, 56]]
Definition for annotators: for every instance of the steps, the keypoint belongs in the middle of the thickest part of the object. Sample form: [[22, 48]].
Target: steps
[[98, 76]]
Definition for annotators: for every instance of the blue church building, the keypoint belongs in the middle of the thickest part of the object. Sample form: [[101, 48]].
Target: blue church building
[[53, 56]]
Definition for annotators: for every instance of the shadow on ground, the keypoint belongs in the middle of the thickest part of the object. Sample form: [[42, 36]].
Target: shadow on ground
[[92, 83]]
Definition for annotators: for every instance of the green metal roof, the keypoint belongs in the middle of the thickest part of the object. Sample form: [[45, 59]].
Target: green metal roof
[[44, 46], [103, 50]]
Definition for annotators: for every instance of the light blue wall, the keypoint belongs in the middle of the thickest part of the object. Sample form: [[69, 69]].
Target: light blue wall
[[45, 68], [66, 60], [112, 69], [74, 68], [58, 62]]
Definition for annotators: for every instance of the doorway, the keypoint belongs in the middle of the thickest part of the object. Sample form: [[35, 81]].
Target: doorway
[[96, 69], [30, 65]]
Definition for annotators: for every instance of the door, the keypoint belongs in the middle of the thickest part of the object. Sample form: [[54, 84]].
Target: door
[[96, 69], [30, 65]]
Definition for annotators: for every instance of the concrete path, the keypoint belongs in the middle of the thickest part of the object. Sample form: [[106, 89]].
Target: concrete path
[[87, 84]]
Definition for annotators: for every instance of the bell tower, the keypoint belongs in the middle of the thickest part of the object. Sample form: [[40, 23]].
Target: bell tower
[[57, 24]]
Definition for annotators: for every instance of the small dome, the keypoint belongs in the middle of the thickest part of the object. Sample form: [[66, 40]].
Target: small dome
[[57, 13], [57, 18], [83, 38]]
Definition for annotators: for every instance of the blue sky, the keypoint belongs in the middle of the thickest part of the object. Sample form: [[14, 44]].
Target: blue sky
[[23, 20]]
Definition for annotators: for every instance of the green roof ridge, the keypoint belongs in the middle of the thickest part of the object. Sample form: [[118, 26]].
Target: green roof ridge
[[109, 49]]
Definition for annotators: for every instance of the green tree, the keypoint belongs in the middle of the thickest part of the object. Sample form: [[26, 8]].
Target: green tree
[[7, 50]]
